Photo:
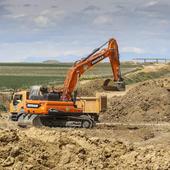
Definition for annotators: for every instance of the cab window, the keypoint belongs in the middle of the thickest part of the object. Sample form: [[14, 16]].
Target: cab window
[[17, 99]]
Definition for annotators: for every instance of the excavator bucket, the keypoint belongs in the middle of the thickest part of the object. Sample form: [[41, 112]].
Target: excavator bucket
[[110, 85]]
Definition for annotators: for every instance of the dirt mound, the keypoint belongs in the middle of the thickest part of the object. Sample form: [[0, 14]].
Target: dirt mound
[[148, 101], [148, 72], [73, 149], [149, 157], [90, 88]]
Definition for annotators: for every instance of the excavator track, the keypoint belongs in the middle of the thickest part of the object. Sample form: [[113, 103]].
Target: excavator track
[[68, 120], [26, 120]]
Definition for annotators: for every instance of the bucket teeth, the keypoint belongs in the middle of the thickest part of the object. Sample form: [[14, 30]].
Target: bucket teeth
[[110, 85]]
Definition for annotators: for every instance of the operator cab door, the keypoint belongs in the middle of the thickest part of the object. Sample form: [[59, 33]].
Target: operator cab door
[[17, 103], [17, 99]]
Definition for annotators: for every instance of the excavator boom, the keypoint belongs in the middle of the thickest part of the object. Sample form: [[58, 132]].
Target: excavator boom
[[91, 60]]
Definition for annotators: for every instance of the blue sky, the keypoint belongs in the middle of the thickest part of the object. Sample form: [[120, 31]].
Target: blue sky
[[66, 30]]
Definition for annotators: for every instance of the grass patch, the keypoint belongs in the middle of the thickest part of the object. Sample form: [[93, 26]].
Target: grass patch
[[15, 82], [37, 64], [23, 75], [143, 76]]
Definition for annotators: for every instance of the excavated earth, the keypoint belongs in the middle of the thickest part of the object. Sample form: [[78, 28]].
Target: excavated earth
[[147, 101], [83, 149], [102, 147]]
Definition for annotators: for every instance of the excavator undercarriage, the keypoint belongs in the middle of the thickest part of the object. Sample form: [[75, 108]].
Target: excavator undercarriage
[[59, 120]]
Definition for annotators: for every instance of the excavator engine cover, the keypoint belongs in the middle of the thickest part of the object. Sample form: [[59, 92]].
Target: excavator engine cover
[[110, 85]]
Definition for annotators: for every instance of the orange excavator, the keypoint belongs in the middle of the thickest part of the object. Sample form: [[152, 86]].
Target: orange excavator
[[42, 107]]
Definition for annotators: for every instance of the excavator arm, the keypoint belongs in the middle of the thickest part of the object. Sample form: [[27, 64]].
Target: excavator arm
[[91, 60]]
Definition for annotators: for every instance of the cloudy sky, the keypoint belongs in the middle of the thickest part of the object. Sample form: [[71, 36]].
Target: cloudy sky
[[36, 30]]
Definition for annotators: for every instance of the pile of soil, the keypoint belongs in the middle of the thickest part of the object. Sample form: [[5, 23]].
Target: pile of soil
[[90, 88], [73, 149], [147, 101]]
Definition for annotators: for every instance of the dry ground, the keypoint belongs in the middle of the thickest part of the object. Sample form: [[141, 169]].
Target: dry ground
[[99, 148], [141, 142]]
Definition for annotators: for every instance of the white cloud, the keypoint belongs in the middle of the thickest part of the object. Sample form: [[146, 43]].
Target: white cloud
[[47, 17], [103, 19], [67, 21], [165, 22], [15, 16], [132, 50], [41, 21], [151, 3]]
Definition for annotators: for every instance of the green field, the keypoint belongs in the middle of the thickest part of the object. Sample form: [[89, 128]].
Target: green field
[[23, 75], [143, 76]]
